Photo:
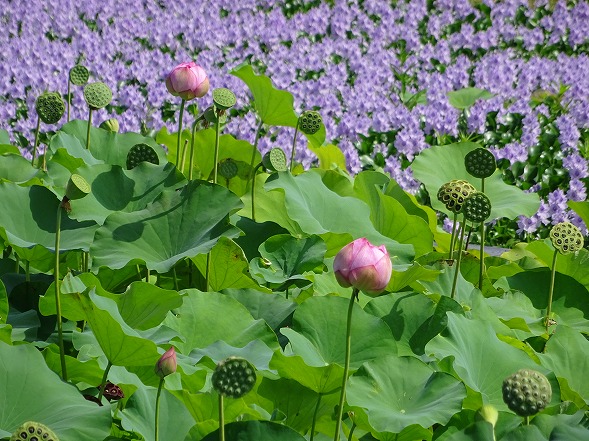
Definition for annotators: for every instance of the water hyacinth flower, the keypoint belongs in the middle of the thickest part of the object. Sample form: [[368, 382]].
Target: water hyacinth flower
[[364, 266], [167, 363], [188, 81]]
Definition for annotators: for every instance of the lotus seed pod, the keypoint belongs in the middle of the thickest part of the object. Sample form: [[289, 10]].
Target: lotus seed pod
[[50, 107], [77, 187], [97, 95], [275, 160], [79, 75], [113, 392], [111, 125], [566, 238], [480, 163], [526, 392], [32, 431], [477, 207], [453, 194], [228, 168], [141, 153], [223, 98], [310, 122], [487, 413], [234, 377]]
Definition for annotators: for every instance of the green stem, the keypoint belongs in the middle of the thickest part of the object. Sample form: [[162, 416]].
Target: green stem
[[482, 256], [69, 98], [183, 160], [88, 130], [157, 409], [342, 397], [255, 149], [208, 272], [57, 296], [217, 136], [175, 278], [527, 420], [17, 268], [352, 431], [315, 416], [86, 261], [457, 264], [179, 132], [254, 193], [294, 144], [36, 141], [191, 161], [482, 185], [553, 276], [221, 419], [453, 237], [104, 380]]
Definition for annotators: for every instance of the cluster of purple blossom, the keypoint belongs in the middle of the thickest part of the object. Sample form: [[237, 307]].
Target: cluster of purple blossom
[[355, 61]]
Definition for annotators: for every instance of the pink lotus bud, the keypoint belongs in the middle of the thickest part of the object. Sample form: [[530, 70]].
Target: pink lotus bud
[[188, 81], [166, 365], [363, 266]]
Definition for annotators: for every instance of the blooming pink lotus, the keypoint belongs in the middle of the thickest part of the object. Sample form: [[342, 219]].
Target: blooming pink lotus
[[188, 81], [364, 266], [167, 364]]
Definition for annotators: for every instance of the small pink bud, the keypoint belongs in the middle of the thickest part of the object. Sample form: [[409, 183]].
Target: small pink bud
[[363, 266], [166, 365], [188, 81]]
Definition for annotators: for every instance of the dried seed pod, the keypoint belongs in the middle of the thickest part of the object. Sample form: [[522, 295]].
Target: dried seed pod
[[141, 153], [112, 392], [477, 207], [566, 238], [480, 163], [32, 431], [275, 160], [453, 194], [97, 95], [526, 392], [79, 75], [234, 377], [223, 98], [310, 122], [228, 168], [50, 107]]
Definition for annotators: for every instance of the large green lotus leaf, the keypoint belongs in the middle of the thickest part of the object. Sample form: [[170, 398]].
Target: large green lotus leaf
[[318, 333], [256, 431], [479, 431], [171, 228], [448, 162], [467, 97], [174, 420], [397, 392], [29, 218], [319, 210], [525, 433], [330, 156], [566, 433], [108, 146], [37, 257], [475, 348], [256, 352], [115, 189], [552, 426], [32, 392], [582, 209], [15, 168], [273, 106], [206, 317], [88, 372], [74, 148], [4, 137], [412, 274], [285, 258], [264, 305], [566, 355], [121, 344], [228, 267], [321, 379], [3, 303]]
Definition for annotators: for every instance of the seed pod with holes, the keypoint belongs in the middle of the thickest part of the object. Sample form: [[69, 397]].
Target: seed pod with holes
[[310, 122], [566, 238], [141, 153], [526, 392], [228, 168], [50, 107], [234, 377], [480, 163], [32, 431], [275, 160], [97, 95], [453, 194], [477, 207], [223, 98], [79, 75]]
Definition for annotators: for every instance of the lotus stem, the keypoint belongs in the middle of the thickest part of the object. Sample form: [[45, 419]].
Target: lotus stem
[[527, 420], [179, 132], [103, 382], [69, 98], [552, 277], [221, 419], [36, 141], [352, 431], [458, 258], [88, 131], [342, 398], [482, 256], [183, 160], [57, 296], [208, 272], [255, 149], [314, 421], [294, 144], [217, 136], [453, 237], [254, 192], [191, 161], [157, 409]]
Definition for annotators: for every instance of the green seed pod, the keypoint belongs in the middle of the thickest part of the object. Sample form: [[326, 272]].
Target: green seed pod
[[275, 160], [79, 75], [223, 98], [480, 163], [477, 207], [453, 194], [97, 95], [111, 125], [77, 187], [32, 431], [526, 392], [228, 168], [566, 238], [234, 377], [310, 122], [50, 107], [488, 413], [141, 153]]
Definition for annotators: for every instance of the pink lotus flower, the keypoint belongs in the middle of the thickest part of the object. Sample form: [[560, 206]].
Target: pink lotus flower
[[167, 364], [188, 81], [364, 266]]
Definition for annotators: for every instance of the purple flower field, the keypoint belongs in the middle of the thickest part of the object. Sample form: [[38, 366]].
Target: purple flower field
[[379, 75]]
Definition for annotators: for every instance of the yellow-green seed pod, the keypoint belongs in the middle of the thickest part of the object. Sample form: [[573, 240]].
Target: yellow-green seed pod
[[223, 98], [77, 187], [31, 431], [97, 95]]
